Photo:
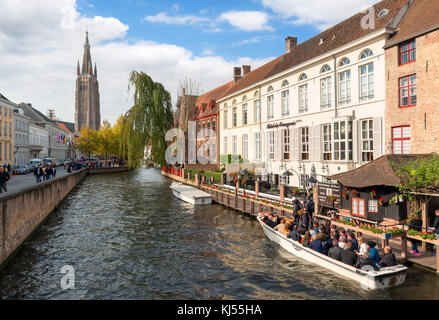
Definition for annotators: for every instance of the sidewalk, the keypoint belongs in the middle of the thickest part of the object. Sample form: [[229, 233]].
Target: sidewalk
[[19, 183]]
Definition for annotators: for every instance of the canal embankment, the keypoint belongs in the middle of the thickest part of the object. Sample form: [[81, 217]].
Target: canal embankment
[[21, 212], [253, 202]]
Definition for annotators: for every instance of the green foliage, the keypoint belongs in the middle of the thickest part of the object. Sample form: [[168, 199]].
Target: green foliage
[[419, 175], [147, 122]]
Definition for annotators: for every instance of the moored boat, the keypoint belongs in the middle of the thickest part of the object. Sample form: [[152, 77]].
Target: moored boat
[[190, 194], [367, 277]]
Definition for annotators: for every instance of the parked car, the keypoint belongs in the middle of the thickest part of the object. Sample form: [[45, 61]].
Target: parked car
[[20, 170]]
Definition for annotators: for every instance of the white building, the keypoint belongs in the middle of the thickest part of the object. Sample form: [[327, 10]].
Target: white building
[[319, 109], [38, 141], [21, 137]]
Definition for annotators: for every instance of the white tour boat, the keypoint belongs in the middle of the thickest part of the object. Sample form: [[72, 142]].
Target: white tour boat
[[367, 277], [190, 194]]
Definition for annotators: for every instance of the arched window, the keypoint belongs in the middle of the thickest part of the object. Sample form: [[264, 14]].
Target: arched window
[[256, 94], [366, 53], [303, 76], [285, 83], [270, 88], [244, 98], [325, 68], [234, 102], [344, 61]]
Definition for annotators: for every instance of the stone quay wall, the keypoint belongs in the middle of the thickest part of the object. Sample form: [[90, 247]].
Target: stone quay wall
[[22, 212]]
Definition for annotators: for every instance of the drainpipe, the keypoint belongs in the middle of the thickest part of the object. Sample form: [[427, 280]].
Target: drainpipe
[[335, 87]]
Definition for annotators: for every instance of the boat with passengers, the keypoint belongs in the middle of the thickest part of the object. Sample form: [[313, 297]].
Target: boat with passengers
[[368, 277]]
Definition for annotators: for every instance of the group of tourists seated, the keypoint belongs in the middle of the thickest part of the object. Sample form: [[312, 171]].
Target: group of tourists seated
[[333, 242]]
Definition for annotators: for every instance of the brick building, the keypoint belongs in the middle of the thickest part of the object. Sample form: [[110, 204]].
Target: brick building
[[412, 81], [206, 115]]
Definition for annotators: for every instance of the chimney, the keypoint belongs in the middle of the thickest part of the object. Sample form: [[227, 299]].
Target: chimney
[[246, 70], [291, 43], [237, 74]]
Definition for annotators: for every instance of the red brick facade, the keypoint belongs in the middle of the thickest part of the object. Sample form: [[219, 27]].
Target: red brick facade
[[423, 118]]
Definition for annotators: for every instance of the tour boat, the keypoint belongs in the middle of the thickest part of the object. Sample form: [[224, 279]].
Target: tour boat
[[190, 194], [367, 276]]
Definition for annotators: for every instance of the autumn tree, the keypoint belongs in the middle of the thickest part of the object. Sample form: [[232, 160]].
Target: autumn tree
[[88, 141]]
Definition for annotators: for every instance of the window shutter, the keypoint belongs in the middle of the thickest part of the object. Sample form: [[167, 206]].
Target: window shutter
[[278, 145], [292, 142], [296, 145], [377, 141], [355, 136], [266, 156], [316, 156]]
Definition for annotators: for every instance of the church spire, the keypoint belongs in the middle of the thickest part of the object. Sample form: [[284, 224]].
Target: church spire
[[86, 60]]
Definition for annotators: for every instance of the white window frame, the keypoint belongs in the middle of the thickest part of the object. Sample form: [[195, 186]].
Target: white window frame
[[327, 142], [285, 103], [342, 140], [245, 146], [270, 107], [271, 145], [286, 152], [245, 114], [326, 93], [366, 89], [257, 145], [304, 144], [226, 145], [303, 98], [225, 119], [344, 87], [235, 116], [234, 145], [366, 140], [257, 109]]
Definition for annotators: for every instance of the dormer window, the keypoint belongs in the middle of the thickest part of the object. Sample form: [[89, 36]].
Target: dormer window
[[270, 88], [344, 62], [285, 83], [303, 76], [244, 99], [383, 13]]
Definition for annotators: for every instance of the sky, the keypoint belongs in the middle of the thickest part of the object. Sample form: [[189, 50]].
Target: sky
[[170, 40]]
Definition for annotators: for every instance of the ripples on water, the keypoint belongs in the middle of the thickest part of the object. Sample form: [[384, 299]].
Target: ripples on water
[[128, 238]]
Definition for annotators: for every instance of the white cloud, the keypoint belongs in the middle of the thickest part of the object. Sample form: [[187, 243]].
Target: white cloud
[[163, 17], [247, 20], [317, 12], [40, 43]]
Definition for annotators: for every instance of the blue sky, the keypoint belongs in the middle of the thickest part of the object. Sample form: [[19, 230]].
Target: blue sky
[[230, 42], [168, 39]]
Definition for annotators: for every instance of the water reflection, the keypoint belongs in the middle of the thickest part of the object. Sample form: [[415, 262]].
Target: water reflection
[[128, 238]]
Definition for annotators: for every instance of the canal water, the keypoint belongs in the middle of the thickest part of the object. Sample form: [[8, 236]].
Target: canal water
[[127, 237]]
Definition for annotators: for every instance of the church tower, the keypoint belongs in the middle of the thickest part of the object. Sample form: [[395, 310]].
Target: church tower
[[87, 100]]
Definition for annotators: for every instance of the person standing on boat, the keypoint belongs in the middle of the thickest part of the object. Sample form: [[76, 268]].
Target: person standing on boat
[[310, 205]]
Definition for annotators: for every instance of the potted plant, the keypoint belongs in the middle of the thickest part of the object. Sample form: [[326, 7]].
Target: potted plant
[[345, 195], [373, 194], [333, 198], [355, 192], [296, 191], [382, 202]]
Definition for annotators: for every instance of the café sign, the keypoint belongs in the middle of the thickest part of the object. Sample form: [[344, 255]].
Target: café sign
[[280, 125]]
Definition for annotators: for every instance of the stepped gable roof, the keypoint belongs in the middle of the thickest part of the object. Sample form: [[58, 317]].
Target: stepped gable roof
[[421, 17], [345, 32], [203, 102], [379, 172]]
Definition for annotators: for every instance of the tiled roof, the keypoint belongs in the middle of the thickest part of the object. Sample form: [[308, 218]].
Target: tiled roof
[[62, 126], [335, 37], [421, 16], [68, 126], [377, 173], [203, 104]]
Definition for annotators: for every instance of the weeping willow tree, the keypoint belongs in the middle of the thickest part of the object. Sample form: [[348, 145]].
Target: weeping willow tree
[[147, 122]]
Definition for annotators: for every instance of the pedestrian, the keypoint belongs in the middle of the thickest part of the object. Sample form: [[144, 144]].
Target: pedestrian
[[38, 172], [44, 173], [3, 181]]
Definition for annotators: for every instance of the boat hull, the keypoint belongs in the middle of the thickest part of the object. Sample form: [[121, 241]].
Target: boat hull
[[368, 279], [191, 195]]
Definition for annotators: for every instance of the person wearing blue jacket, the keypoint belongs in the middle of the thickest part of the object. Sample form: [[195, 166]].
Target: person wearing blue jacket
[[316, 245], [374, 255]]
